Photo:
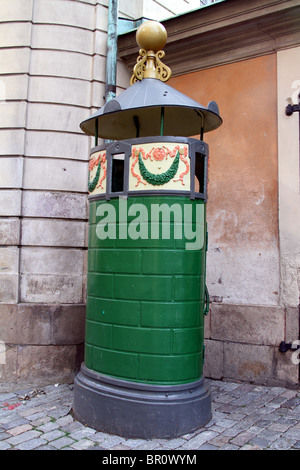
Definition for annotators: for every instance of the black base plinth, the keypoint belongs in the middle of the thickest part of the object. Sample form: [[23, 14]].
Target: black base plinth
[[136, 410]]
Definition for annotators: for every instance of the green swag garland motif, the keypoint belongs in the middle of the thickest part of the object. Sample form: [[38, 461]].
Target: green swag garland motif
[[162, 178], [92, 184]]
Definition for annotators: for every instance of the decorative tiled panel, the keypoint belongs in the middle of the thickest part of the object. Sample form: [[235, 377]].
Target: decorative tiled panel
[[97, 173], [161, 165]]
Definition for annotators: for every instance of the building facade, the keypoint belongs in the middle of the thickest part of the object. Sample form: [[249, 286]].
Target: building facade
[[53, 74]]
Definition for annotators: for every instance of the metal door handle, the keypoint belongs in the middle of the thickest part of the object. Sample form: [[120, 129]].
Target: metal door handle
[[206, 304]]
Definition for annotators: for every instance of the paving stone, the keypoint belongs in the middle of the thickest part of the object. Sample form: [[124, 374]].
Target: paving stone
[[282, 444], [8, 417], [278, 400], [50, 426], [19, 429], [26, 436], [59, 412], [219, 441], [197, 441], [30, 411], [53, 435], [235, 430], [83, 444], [293, 433], [229, 447], [62, 442], [32, 444], [132, 443], [263, 423], [245, 399], [242, 438], [5, 446], [285, 421], [290, 394], [250, 447], [280, 427], [97, 448], [98, 436], [226, 423], [5, 398], [207, 447], [64, 420], [40, 421], [228, 409], [45, 447], [215, 427], [71, 427], [121, 447], [260, 441], [15, 423], [236, 415], [222, 398], [170, 444], [148, 445], [230, 386], [291, 403], [35, 416], [82, 433], [276, 390], [269, 435]]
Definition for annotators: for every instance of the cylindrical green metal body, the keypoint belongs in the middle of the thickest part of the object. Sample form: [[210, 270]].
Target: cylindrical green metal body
[[145, 295]]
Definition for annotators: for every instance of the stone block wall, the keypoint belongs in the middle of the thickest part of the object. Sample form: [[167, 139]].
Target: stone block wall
[[241, 343], [52, 77], [43, 343]]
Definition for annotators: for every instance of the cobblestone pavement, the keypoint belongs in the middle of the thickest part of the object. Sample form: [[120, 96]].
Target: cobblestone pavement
[[245, 417]]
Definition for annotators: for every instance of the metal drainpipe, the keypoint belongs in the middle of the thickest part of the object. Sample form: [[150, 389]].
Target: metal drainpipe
[[112, 46], [111, 56]]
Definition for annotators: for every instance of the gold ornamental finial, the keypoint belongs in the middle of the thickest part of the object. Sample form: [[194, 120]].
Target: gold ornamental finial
[[151, 37]]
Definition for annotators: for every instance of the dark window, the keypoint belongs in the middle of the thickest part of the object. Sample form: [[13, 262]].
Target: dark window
[[117, 183], [199, 172]]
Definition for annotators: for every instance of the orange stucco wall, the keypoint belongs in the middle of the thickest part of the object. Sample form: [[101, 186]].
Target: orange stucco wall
[[243, 180]]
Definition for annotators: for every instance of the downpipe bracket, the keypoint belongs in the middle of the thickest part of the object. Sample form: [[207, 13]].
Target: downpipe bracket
[[284, 347]]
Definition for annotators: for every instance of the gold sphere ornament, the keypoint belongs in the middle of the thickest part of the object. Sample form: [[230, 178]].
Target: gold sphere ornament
[[151, 35]]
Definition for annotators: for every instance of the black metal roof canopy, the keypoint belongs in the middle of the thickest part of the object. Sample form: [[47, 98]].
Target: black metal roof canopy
[[150, 107], [137, 113]]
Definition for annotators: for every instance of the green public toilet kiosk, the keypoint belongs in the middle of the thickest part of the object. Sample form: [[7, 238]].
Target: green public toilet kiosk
[[142, 375]]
